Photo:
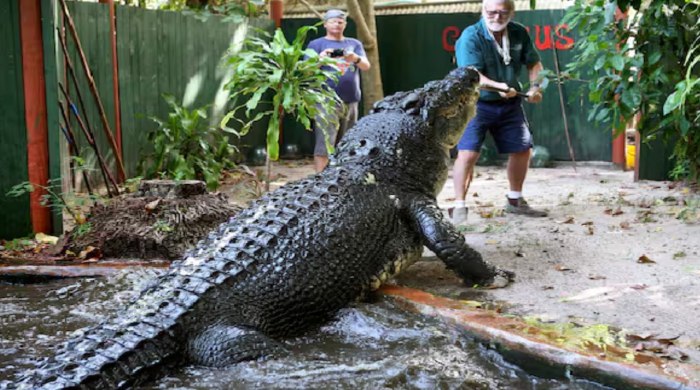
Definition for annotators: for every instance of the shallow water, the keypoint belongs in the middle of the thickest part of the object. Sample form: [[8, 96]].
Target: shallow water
[[369, 346]]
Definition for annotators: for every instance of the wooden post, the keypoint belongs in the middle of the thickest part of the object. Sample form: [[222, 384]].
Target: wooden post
[[276, 11], [115, 77], [35, 109], [93, 89]]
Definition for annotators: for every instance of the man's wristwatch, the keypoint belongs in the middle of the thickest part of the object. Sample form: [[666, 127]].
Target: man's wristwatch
[[359, 59]]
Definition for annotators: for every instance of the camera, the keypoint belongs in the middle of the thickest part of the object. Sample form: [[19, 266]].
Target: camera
[[335, 53]]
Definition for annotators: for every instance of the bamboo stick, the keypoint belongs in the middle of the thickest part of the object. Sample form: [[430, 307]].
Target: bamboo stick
[[93, 88], [91, 140]]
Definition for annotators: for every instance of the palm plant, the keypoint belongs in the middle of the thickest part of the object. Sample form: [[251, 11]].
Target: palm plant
[[292, 76]]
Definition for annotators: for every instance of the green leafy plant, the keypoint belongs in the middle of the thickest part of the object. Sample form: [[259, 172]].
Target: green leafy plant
[[230, 10], [162, 225], [682, 108], [18, 244], [81, 230], [293, 76], [255, 186], [633, 64], [56, 199], [186, 147]]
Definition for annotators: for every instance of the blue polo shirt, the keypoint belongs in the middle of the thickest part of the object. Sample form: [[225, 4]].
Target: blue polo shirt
[[476, 48]]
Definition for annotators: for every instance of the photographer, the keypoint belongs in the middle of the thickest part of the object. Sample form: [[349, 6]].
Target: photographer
[[350, 55]]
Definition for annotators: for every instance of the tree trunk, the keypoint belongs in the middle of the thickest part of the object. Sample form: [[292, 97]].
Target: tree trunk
[[362, 12]]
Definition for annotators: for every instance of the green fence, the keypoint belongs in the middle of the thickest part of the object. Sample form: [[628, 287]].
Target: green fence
[[158, 52], [425, 52], [14, 212]]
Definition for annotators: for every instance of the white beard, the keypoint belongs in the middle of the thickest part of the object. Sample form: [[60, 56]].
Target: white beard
[[498, 27]]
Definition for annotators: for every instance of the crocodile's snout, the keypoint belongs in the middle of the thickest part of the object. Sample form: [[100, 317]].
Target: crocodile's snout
[[456, 104]]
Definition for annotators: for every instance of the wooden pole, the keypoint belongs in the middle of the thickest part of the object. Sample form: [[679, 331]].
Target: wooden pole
[[115, 76], [93, 88], [35, 109], [91, 140], [73, 143], [561, 101]]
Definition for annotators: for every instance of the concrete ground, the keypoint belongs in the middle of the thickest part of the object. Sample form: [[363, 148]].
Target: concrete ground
[[612, 253]]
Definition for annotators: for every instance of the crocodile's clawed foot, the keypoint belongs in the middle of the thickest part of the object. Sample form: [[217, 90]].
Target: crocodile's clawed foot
[[501, 279]]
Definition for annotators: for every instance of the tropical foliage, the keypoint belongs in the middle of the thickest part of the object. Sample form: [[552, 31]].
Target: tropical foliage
[[634, 61], [186, 146], [273, 77]]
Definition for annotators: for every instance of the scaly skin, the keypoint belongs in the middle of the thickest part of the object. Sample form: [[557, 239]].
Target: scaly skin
[[297, 255]]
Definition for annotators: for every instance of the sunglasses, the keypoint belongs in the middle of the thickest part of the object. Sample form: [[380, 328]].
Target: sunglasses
[[503, 13]]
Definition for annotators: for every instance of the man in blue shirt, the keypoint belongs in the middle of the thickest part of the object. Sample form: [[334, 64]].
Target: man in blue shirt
[[350, 56], [498, 48]]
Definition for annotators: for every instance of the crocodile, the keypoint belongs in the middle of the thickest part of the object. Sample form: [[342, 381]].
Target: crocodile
[[296, 256]]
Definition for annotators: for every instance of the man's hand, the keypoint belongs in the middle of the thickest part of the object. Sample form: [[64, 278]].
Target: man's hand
[[325, 53], [507, 95], [534, 95], [351, 57]]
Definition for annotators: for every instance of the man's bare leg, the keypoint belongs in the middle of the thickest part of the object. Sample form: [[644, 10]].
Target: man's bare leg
[[320, 163], [518, 164], [462, 175]]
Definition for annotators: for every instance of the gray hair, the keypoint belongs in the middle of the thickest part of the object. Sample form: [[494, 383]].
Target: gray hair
[[510, 4]]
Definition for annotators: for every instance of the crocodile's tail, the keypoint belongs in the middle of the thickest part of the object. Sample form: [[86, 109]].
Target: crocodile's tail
[[121, 353]]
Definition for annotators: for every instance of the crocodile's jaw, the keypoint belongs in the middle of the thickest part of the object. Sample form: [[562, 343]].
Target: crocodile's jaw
[[452, 120]]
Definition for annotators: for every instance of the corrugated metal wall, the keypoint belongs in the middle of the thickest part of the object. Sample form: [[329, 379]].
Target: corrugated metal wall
[[423, 53], [14, 212]]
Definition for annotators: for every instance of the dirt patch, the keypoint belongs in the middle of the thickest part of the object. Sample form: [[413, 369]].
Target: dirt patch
[[612, 251], [161, 221]]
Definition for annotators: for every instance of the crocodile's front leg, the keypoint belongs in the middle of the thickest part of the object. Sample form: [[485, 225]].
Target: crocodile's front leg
[[441, 237]]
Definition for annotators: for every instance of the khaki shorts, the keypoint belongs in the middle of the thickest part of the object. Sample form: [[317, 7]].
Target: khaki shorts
[[335, 132]]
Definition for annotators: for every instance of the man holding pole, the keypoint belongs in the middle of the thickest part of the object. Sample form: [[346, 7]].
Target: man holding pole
[[498, 48]]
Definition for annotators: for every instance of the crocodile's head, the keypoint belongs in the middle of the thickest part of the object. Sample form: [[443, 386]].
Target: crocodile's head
[[450, 103]]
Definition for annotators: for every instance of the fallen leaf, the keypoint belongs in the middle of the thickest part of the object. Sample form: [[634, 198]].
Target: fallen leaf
[[569, 220], [547, 288], [562, 268], [486, 214], [519, 254], [596, 277], [476, 195], [590, 231], [608, 211], [152, 205], [674, 353], [90, 253], [639, 287], [492, 242], [645, 204], [645, 260], [625, 225], [45, 239], [644, 337], [618, 211], [475, 304], [589, 223]]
